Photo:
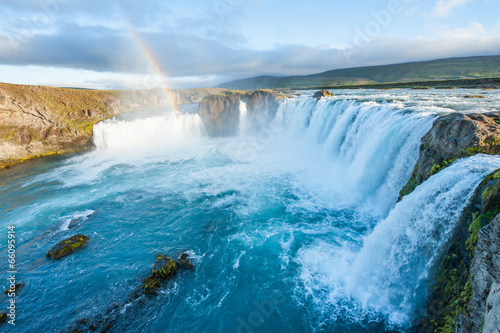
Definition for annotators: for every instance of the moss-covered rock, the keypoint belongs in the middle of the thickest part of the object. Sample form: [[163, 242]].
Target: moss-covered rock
[[151, 285], [164, 267], [67, 246], [16, 288]]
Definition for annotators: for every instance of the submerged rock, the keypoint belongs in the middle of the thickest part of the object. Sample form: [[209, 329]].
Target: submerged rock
[[3, 317], [67, 246], [184, 261], [474, 96], [15, 289], [164, 267], [322, 93], [76, 222]]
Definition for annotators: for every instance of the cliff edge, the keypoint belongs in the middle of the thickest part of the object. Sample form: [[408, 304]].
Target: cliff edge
[[38, 121], [466, 282], [220, 113]]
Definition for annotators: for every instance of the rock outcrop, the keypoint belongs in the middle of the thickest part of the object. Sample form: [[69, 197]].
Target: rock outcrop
[[39, 121], [220, 113], [451, 137], [322, 93], [164, 269], [67, 246]]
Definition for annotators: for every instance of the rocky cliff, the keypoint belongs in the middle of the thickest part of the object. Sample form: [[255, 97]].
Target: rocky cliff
[[220, 113], [37, 121], [467, 278], [451, 137]]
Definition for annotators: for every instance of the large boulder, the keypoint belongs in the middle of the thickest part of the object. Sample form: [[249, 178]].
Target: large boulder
[[454, 136], [67, 246], [322, 93]]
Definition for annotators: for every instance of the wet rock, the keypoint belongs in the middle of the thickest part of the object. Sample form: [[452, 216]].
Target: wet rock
[[151, 285], [67, 246], [474, 96], [164, 267], [322, 93], [184, 261], [15, 289], [76, 222]]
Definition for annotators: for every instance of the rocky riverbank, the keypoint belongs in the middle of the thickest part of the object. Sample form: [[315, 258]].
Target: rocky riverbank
[[39, 121]]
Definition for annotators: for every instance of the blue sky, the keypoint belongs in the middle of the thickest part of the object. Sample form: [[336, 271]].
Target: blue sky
[[202, 43]]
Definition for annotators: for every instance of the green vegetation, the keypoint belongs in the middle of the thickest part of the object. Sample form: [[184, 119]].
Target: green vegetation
[[453, 289], [418, 75]]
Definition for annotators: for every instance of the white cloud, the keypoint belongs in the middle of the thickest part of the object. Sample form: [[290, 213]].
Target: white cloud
[[443, 7], [474, 29]]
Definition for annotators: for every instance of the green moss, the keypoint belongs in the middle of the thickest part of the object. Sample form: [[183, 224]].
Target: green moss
[[478, 222], [67, 246], [454, 295]]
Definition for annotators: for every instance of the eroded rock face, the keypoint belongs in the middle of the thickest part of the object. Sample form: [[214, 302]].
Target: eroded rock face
[[67, 246], [485, 280], [220, 113], [492, 318], [451, 137]]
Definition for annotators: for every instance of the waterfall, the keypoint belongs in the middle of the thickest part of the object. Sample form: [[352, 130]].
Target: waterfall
[[156, 131], [373, 146], [243, 126], [389, 273]]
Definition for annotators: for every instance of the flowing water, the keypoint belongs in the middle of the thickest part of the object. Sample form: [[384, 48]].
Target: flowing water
[[292, 228]]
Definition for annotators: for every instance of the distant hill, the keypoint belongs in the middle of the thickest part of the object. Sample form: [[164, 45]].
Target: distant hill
[[442, 69]]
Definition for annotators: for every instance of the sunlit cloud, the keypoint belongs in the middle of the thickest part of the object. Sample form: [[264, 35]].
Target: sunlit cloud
[[444, 7]]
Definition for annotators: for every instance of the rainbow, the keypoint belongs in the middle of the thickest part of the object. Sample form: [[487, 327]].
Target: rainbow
[[153, 63]]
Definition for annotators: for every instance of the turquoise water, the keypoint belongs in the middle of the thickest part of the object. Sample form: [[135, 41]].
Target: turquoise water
[[292, 228]]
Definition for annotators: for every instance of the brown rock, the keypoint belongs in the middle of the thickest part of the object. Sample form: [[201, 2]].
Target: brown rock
[[454, 136]]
